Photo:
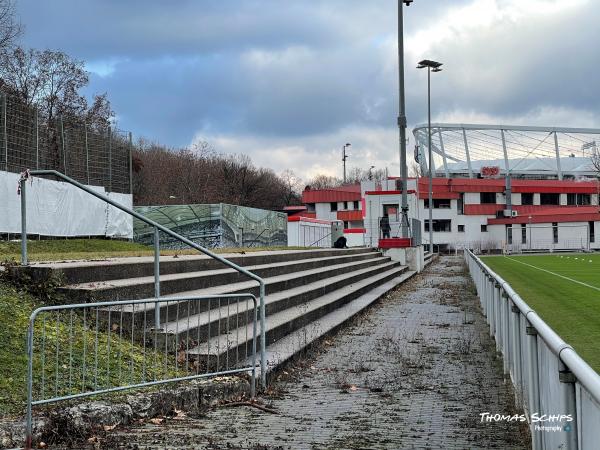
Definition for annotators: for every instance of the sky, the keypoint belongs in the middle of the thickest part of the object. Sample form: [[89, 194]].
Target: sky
[[288, 83]]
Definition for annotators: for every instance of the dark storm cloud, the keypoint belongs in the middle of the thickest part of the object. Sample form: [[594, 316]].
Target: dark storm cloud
[[307, 72]]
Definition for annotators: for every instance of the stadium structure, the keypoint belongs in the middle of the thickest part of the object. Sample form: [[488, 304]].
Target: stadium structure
[[495, 187]]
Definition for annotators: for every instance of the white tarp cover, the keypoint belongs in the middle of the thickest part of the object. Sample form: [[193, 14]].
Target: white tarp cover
[[60, 209]]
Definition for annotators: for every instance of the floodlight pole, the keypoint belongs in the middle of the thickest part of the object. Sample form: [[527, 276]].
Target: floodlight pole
[[430, 160], [402, 122], [435, 66]]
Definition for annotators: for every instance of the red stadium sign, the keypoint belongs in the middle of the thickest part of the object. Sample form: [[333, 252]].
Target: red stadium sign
[[490, 172]]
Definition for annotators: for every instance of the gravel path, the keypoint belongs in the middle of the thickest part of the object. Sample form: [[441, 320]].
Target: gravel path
[[414, 371]]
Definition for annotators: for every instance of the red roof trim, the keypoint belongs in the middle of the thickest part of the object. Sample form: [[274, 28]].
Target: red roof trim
[[409, 191], [307, 219]]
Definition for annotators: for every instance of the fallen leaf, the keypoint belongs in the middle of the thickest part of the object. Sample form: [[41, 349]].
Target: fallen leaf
[[42, 445], [109, 427], [157, 420], [353, 388]]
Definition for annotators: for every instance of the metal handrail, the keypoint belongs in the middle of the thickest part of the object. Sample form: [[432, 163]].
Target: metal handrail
[[23, 181], [319, 240], [587, 376], [256, 238]]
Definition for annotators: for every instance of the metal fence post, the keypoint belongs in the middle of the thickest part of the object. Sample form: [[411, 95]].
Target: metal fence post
[[28, 417], [37, 139], [515, 318], [87, 154], [156, 278], [64, 147], [568, 384], [130, 163], [109, 161], [533, 381], [263, 340], [4, 132], [23, 184], [506, 336]]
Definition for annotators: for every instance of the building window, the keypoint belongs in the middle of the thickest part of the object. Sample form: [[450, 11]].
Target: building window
[[509, 234], [579, 199], [549, 199], [523, 233], [460, 204], [527, 199], [487, 197], [461, 228], [345, 205], [484, 228], [356, 205], [438, 203], [555, 232], [333, 206], [440, 226], [592, 232], [584, 199]]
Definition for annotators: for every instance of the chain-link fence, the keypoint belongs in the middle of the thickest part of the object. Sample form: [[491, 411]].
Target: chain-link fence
[[90, 156]]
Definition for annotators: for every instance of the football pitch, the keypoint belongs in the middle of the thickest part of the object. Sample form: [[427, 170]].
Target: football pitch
[[564, 289]]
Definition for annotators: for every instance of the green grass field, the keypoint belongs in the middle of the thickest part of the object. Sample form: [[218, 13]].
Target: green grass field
[[568, 299]]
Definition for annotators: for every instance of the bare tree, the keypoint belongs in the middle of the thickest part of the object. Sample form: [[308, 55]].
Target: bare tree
[[356, 175], [10, 27], [51, 81], [293, 187], [596, 159], [324, 182]]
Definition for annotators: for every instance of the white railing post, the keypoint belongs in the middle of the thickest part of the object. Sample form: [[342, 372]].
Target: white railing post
[[533, 382], [568, 383], [506, 336]]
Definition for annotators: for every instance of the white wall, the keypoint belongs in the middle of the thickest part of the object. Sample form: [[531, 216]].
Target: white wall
[[305, 233], [56, 208]]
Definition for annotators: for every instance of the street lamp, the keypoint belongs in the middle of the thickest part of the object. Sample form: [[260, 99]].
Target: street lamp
[[344, 157], [435, 67]]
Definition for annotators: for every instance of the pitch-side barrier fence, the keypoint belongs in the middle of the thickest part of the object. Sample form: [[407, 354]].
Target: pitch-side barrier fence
[[550, 378]]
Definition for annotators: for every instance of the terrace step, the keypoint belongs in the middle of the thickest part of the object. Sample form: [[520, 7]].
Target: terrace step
[[170, 284], [283, 350], [290, 330], [75, 272], [278, 297]]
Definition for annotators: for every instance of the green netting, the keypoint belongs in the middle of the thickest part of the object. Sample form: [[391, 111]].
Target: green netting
[[213, 225]]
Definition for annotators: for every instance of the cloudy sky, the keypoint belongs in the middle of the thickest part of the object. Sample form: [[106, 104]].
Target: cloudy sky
[[289, 82]]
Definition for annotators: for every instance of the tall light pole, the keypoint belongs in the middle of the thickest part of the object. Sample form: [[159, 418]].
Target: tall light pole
[[435, 66], [402, 119], [344, 158]]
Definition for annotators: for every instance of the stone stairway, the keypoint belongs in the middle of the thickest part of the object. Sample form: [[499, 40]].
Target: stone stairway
[[309, 293]]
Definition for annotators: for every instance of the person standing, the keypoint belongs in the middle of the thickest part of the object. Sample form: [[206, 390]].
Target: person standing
[[384, 225]]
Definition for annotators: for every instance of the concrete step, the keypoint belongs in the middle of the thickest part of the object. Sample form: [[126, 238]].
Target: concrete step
[[281, 351], [75, 272], [229, 345], [170, 284], [299, 289]]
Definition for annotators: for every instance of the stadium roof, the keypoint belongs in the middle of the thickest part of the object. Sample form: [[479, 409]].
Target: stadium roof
[[460, 149]]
